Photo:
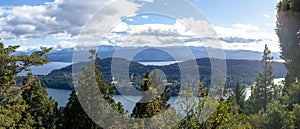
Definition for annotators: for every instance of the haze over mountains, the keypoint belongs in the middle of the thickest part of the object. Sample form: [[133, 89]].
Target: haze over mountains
[[150, 54]]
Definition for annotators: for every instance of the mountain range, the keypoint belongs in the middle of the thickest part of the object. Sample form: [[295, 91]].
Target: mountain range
[[151, 54]]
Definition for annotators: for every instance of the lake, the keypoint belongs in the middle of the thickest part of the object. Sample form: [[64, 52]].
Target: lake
[[62, 96], [162, 63], [46, 69]]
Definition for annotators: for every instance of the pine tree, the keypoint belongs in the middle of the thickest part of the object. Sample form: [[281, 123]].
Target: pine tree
[[13, 106], [288, 31], [43, 110], [262, 91], [239, 97], [152, 102], [96, 101], [74, 117]]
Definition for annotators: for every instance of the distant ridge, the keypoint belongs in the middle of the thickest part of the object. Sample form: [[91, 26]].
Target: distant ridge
[[156, 54]]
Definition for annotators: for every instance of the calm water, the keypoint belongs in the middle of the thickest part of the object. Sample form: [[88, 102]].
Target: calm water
[[162, 63], [46, 69], [61, 96]]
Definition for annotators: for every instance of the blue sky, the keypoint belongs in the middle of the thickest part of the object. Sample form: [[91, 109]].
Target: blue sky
[[57, 24], [227, 12], [22, 2]]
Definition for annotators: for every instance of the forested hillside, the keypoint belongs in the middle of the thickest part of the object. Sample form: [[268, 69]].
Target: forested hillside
[[243, 71]]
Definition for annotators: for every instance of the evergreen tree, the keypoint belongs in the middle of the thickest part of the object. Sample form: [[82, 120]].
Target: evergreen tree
[[288, 31], [95, 98], [288, 81], [42, 109], [239, 97], [152, 102], [12, 105], [74, 117], [262, 91], [293, 96]]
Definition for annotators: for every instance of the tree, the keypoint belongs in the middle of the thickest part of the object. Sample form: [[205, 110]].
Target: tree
[[288, 81], [42, 109], [239, 97], [293, 96], [152, 102], [262, 91], [12, 105], [96, 100], [288, 31], [74, 117]]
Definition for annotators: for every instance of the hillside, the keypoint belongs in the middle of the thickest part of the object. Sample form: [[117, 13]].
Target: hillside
[[244, 71]]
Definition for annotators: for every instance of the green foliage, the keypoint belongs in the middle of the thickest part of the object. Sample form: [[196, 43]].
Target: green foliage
[[153, 102], [43, 110], [74, 117], [288, 19], [293, 96], [239, 97], [95, 99], [263, 90], [296, 115], [13, 108]]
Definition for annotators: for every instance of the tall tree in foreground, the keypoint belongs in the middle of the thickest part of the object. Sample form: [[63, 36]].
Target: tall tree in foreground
[[96, 105], [12, 105], [239, 97], [74, 117], [288, 31], [152, 102], [261, 92], [42, 109]]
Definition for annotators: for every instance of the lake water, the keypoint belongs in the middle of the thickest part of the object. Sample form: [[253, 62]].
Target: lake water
[[46, 69], [62, 96], [162, 63]]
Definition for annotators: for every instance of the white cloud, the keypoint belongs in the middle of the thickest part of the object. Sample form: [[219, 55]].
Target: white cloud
[[266, 16], [64, 19], [64, 44], [130, 19], [148, 35], [25, 48], [238, 36], [60, 16], [245, 27], [59, 46], [251, 32], [145, 17]]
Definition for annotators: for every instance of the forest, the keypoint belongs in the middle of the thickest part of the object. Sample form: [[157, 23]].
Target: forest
[[24, 102]]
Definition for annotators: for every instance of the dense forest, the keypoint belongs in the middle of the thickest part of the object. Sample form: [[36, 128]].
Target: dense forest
[[25, 104]]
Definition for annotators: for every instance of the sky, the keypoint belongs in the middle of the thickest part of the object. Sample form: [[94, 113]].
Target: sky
[[226, 24]]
